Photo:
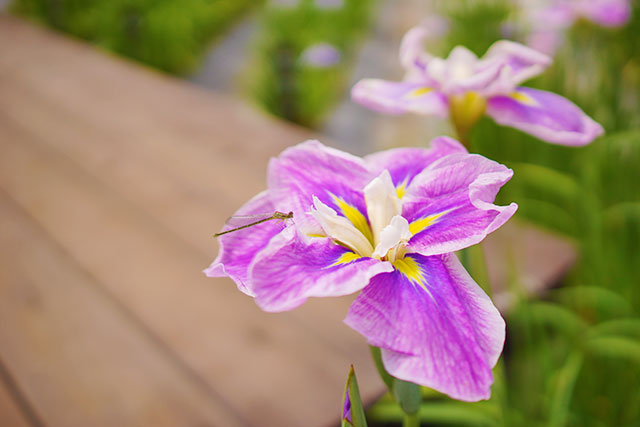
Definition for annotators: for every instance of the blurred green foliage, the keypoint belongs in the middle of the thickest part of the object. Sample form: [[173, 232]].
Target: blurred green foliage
[[472, 23], [572, 358], [171, 35], [280, 80]]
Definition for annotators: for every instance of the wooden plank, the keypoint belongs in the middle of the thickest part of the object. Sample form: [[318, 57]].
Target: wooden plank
[[79, 359], [191, 197], [264, 364], [189, 171], [176, 166], [10, 413]]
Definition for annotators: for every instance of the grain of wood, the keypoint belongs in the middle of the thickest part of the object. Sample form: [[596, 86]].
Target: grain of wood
[[11, 415], [219, 333], [191, 201], [263, 364], [74, 354]]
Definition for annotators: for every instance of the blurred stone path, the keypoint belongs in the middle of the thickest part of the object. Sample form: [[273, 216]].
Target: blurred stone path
[[228, 59], [351, 126]]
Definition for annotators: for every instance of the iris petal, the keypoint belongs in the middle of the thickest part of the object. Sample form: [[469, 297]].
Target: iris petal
[[383, 203], [292, 269], [450, 204], [545, 115], [404, 164], [399, 97], [239, 248], [313, 169], [435, 326], [340, 228]]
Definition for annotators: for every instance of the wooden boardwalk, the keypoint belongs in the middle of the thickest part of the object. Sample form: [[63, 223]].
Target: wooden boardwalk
[[112, 179]]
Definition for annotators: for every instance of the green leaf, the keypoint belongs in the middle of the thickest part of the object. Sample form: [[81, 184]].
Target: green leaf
[[408, 395], [563, 389], [592, 296], [615, 347], [386, 378], [445, 413], [630, 327], [547, 214], [561, 186], [617, 213], [558, 317], [352, 403]]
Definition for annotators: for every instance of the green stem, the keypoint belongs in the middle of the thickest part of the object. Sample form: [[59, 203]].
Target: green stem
[[462, 133], [465, 110], [410, 420], [407, 395], [384, 375]]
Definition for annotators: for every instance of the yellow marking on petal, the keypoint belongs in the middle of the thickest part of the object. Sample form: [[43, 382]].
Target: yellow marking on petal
[[523, 98], [416, 93], [346, 258], [356, 217], [411, 269], [401, 189], [316, 235], [421, 224]]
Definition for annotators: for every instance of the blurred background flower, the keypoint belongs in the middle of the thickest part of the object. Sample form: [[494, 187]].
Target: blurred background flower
[[548, 20], [464, 87], [320, 55]]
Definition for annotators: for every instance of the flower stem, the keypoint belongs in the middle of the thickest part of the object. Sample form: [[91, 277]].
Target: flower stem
[[406, 394], [465, 110], [410, 420], [384, 375]]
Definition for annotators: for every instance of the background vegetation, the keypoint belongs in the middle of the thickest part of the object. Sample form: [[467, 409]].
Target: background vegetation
[[167, 34], [286, 85]]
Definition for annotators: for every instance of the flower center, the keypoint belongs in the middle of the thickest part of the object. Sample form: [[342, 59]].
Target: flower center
[[465, 110], [385, 235]]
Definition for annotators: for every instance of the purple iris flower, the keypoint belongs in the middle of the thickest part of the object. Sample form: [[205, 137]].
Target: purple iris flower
[[388, 225], [464, 87], [608, 13], [549, 19], [346, 409], [321, 55]]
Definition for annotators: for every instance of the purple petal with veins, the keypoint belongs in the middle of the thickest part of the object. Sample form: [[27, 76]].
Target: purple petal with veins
[[400, 97], [291, 269], [434, 324], [546, 115], [450, 204], [405, 163], [237, 249]]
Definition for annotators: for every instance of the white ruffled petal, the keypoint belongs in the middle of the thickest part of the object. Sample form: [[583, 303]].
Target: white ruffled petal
[[340, 228], [383, 203], [394, 234]]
